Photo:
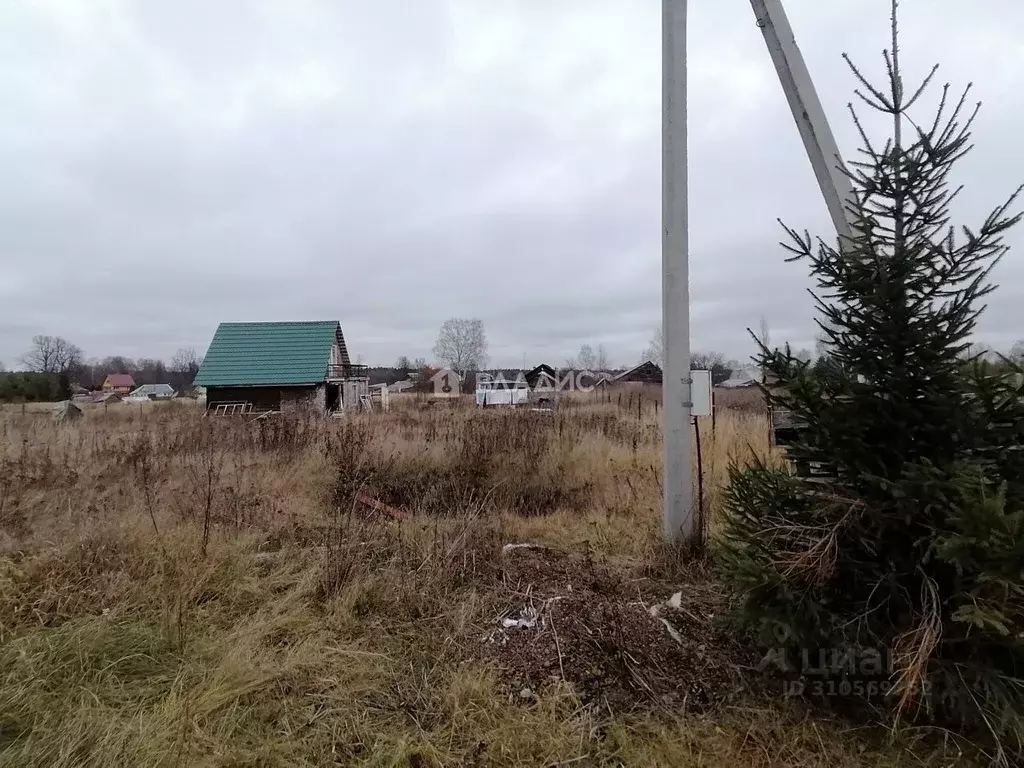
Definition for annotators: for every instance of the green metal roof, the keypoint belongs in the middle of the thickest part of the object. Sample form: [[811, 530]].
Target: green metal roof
[[254, 354]]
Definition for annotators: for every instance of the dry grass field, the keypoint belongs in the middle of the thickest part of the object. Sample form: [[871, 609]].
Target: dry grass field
[[180, 590]]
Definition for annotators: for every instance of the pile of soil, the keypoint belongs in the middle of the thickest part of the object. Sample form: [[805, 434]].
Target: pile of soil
[[623, 643]]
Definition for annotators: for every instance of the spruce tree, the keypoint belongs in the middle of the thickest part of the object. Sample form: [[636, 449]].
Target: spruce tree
[[912, 543]]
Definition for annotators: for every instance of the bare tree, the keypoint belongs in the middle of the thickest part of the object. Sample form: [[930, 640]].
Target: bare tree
[[721, 369], [186, 359], [601, 358], [586, 358], [765, 336], [976, 350], [655, 351], [1017, 352], [821, 346], [52, 354], [184, 366], [403, 364], [151, 371], [116, 364], [419, 363], [804, 355], [462, 344], [89, 374]]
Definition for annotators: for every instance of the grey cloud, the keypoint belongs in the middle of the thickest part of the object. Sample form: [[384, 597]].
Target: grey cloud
[[169, 166]]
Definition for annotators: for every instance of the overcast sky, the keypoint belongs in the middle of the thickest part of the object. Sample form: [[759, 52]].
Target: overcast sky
[[165, 166]]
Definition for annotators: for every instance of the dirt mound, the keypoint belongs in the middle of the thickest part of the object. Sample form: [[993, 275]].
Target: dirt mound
[[66, 412], [570, 619]]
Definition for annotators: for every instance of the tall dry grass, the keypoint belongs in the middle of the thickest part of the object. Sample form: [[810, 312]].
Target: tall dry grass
[[169, 465], [177, 590]]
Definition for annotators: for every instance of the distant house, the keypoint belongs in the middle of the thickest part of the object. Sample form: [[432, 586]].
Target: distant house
[[501, 388], [446, 383], [645, 373], [542, 377], [121, 383], [402, 386], [280, 367], [742, 379], [496, 378], [152, 392]]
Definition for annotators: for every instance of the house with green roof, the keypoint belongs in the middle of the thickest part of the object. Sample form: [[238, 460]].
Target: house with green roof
[[260, 367]]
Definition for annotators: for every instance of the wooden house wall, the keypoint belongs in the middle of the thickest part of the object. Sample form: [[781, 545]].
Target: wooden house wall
[[262, 398], [304, 398], [285, 399], [352, 390], [644, 374]]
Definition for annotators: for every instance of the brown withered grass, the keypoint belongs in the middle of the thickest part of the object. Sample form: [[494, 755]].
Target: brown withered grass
[[180, 590]]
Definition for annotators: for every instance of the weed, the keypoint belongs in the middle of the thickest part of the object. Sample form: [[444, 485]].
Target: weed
[[180, 590]]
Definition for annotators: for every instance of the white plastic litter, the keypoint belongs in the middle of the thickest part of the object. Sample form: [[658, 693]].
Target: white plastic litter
[[671, 630], [525, 545], [674, 603], [527, 620]]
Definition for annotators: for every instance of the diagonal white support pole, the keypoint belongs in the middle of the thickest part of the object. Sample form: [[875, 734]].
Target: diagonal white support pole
[[677, 521], [807, 111]]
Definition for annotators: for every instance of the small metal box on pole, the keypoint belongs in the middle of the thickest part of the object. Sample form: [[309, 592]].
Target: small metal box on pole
[[700, 393]]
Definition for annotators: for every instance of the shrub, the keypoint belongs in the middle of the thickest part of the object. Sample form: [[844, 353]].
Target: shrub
[[28, 387], [911, 544]]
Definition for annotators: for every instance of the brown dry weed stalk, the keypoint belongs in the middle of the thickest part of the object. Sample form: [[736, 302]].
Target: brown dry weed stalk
[[817, 555], [152, 611], [914, 648]]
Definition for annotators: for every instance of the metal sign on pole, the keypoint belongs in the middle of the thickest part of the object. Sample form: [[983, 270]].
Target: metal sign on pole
[[677, 522]]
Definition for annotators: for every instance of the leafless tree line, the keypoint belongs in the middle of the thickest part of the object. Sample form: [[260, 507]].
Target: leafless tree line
[[56, 355]]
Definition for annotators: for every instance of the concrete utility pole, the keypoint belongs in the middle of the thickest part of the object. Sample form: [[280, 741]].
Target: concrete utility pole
[[836, 188], [678, 510], [807, 111]]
